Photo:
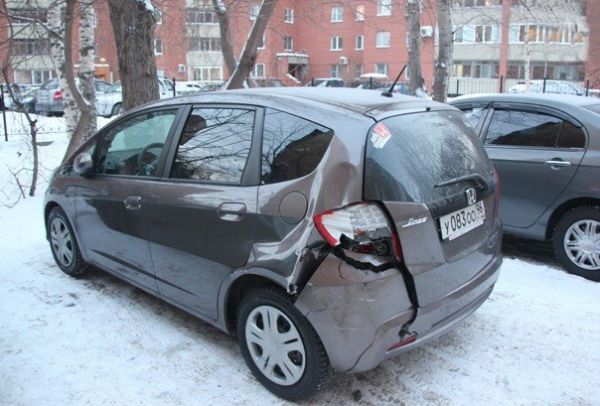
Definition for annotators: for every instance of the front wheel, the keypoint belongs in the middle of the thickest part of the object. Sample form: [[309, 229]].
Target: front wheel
[[577, 242], [63, 244], [279, 345]]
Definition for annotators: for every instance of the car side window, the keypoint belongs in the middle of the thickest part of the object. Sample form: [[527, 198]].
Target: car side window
[[134, 146], [473, 115], [214, 145], [523, 128], [571, 137], [292, 146]]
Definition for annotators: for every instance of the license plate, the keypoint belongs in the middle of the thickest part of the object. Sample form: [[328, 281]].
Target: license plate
[[462, 221]]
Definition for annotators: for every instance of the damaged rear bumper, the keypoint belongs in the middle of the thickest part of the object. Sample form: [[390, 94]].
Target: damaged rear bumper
[[359, 315]]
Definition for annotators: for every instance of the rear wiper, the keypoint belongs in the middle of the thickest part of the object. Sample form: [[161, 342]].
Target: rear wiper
[[475, 177]]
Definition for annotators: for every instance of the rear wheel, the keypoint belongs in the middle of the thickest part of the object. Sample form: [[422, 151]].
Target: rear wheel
[[63, 244], [279, 345], [577, 242]]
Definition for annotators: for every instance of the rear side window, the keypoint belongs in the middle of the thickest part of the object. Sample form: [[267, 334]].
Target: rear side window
[[292, 146], [522, 128], [409, 157], [214, 145], [474, 115], [571, 137]]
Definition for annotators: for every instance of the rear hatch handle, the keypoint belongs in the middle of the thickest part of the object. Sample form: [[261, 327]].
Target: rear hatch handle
[[475, 177]]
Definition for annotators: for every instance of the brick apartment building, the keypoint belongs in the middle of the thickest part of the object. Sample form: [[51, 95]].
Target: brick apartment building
[[310, 39]]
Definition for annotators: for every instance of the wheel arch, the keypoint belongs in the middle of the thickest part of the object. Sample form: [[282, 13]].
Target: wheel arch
[[564, 208], [238, 285], [47, 209]]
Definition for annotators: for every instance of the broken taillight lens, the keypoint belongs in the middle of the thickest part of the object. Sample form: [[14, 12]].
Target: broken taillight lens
[[361, 227]]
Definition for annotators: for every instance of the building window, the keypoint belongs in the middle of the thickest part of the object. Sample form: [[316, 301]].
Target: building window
[[335, 71], [288, 43], [476, 69], [207, 73], [478, 33], [534, 33], [358, 69], [38, 46], [204, 44], [381, 68], [27, 16], [259, 70], [200, 16], [382, 39], [360, 42], [480, 3], [336, 43], [359, 15], [384, 7], [263, 43], [158, 46], [254, 11], [288, 16], [337, 14]]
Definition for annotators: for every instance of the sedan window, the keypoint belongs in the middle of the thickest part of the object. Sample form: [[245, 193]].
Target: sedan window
[[214, 145], [134, 146], [473, 115], [522, 128]]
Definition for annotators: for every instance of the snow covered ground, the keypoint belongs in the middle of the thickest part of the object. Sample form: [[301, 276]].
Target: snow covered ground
[[96, 340]]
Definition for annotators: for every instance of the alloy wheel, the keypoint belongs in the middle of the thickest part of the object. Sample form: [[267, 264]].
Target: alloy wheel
[[582, 244], [62, 242]]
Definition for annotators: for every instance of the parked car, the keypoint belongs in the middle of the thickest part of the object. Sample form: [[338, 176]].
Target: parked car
[[187, 87], [326, 82], [50, 97], [110, 102], [271, 82], [28, 98], [546, 149], [322, 228], [552, 86]]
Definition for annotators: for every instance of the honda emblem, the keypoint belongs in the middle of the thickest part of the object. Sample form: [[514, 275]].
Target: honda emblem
[[471, 195]]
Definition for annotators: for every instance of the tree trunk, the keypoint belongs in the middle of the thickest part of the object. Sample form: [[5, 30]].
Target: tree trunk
[[445, 49], [56, 34], [84, 106], [250, 50], [133, 25], [87, 65], [413, 39], [226, 45]]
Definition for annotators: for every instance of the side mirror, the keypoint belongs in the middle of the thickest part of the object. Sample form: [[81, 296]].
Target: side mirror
[[83, 164]]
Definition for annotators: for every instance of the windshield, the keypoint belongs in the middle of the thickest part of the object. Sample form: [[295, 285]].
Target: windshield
[[415, 157]]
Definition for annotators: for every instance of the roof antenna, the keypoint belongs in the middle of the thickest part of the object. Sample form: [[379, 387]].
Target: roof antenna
[[391, 89]]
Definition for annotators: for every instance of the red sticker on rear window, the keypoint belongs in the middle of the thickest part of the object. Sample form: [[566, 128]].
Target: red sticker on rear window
[[380, 135]]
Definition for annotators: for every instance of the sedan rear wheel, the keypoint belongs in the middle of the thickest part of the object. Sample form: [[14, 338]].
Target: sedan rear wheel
[[577, 242]]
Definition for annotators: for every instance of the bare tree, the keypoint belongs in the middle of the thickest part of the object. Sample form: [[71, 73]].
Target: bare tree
[[133, 24], [226, 45], [413, 41], [445, 50]]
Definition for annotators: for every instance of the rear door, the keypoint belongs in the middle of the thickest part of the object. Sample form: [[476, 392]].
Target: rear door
[[203, 212], [536, 152], [424, 167]]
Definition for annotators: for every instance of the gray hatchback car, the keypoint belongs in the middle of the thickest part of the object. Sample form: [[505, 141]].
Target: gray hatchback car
[[322, 228], [546, 149]]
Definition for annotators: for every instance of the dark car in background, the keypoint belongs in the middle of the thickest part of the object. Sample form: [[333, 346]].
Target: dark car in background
[[546, 149], [334, 228], [49, 97]]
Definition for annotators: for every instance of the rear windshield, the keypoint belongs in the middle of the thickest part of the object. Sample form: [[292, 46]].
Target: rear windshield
[[409, 156]]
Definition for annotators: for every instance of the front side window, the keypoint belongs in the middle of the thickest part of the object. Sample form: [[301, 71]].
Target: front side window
[[214, 145], [292, 146], [473, 115], [134, 146], [522, 128]]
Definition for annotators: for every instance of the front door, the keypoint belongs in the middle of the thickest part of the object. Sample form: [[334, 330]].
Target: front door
[[536, 155], [112, 204], [203, 212]]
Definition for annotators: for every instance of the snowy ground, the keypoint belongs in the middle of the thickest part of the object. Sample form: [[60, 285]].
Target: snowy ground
[[96, 340]]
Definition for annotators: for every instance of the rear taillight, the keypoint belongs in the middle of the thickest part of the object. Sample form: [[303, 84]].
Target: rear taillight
[[57, 95], [361, 227]]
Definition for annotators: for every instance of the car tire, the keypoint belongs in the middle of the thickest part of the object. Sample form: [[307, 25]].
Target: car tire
[[576, 241], [63, 243], [116, 110], [307, 357]]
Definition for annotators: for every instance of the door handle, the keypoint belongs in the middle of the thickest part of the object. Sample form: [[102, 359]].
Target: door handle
[[557, 162], [231, 211], [133, 202]]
